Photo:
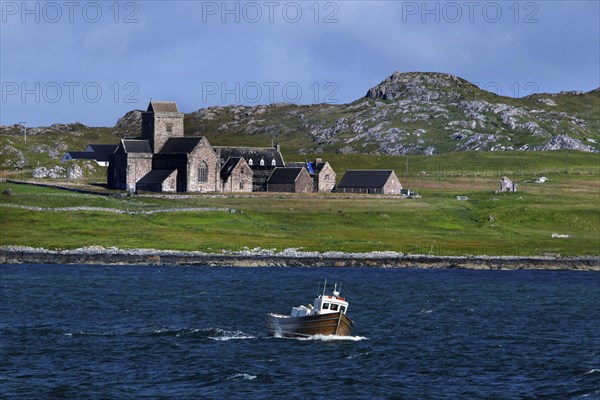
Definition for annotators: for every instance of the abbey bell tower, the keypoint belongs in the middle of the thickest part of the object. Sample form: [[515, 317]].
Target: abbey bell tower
[[160, 122]]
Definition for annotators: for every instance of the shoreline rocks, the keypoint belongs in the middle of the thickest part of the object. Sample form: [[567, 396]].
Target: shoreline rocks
[[289, 258]]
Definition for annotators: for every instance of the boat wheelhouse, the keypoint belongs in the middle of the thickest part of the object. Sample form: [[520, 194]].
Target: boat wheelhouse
[[326, 317]]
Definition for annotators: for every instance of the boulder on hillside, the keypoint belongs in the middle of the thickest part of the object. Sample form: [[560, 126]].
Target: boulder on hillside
[[506, 185]]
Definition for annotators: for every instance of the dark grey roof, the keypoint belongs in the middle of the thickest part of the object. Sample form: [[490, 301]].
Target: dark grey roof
[[155, 176], [163, 106], [365, 178], [81, 155], [284, 175], [180, 145], [310, 166], [228, 167], [102, 151], [136, 146], [252, 153]]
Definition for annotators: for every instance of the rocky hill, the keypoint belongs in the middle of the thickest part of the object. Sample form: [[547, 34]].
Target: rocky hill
[[417, 113], [407, 113]]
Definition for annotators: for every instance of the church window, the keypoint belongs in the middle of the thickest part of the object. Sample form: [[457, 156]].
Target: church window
[[250, 162], [169, 128], [203, 172], [262, 162], [273, 163]]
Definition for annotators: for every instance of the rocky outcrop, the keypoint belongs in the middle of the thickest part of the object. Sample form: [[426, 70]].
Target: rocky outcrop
[[417, 86], [407, 113], [506, 185], [561, 142], [130, 121]]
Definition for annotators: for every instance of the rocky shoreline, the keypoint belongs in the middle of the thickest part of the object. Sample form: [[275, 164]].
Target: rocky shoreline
[[288, 258]]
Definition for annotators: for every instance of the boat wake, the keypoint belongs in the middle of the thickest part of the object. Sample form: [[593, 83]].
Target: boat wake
[[327, 338]]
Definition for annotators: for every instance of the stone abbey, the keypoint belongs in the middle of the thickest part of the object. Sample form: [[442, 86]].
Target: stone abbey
[[164, 160]]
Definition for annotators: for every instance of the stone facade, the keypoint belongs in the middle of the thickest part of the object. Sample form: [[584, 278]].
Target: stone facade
[[325, 179], [238, 178], [322, 174], [160, 122], [138, 165], [392, 186], [203, 157], [128, 165], [169, 185]]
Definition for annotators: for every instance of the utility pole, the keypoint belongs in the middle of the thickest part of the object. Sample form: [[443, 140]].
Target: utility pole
[[24, 130]]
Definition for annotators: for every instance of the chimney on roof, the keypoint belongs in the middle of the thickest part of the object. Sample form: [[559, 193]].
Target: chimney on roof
[[277, 147]]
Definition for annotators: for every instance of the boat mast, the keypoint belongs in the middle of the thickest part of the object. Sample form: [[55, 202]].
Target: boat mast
[[324, 285]]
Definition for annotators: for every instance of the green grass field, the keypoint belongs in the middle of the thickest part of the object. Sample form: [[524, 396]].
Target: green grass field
[[488, 223]]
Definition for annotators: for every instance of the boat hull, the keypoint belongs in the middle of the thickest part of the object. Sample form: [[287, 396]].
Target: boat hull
[[324, 324]]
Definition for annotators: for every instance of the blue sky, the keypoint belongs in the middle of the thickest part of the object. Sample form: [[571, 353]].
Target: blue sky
[[92, 61]]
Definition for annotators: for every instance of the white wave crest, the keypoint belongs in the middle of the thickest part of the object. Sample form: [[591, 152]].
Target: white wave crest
[[246, 377]]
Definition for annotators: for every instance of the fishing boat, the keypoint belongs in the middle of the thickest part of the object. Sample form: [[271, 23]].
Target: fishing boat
[[326, 317]]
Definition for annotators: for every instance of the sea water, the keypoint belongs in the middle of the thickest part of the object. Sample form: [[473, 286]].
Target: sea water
[[99, 332]]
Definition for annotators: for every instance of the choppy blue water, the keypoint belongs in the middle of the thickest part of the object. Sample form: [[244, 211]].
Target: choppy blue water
[[190, 332]]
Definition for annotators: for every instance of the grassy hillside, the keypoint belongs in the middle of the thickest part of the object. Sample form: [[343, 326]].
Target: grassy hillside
[[488, 223]]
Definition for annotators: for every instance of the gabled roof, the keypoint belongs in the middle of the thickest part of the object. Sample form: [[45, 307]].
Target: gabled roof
[[80, 155], [311, 167], [365, 178], [155, 176], [284, 175], [162, 106], [180, 145], [268, 154], [102, 151], [136, 146], [229, 166]]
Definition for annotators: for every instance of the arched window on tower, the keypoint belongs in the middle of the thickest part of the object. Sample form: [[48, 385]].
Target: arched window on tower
[[203, 172], [250, 162]]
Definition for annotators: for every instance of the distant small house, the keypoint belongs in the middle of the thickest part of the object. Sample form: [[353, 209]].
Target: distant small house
[[322, 174], [97, 152], [370, 182], [77, 155], [102, 152], [290, 179]]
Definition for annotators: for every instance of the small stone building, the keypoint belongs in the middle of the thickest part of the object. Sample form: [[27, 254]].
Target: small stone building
[[236, 175], [97, 152], [129, 163], [261, 160], [290, 179], [322, 174], [370, 182]]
